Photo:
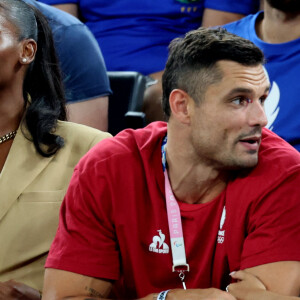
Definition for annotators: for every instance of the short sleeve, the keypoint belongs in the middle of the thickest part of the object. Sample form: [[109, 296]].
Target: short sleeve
[[274, 226], [244, 7], [85, 241], [82, 63]]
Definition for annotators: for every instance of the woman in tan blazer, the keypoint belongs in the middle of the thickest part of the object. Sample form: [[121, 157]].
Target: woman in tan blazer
[[38, 148]]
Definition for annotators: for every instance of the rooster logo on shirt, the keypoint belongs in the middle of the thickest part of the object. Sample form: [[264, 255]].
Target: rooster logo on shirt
[[158, 244]]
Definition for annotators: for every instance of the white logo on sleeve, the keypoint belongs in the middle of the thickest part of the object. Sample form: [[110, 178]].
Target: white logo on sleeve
[[272, 105], [158, 244], [221, 233]]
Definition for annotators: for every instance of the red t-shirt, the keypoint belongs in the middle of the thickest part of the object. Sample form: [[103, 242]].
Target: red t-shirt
[[113, 221]]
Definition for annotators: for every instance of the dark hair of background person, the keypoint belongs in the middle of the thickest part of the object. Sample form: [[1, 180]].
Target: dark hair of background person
[[43, 79], [286, 5], [191, 64]]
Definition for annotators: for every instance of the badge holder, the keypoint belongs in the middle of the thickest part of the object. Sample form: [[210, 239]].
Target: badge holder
[[181, 273]]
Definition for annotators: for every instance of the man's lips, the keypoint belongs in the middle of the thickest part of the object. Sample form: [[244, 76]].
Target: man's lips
[[251, 142]]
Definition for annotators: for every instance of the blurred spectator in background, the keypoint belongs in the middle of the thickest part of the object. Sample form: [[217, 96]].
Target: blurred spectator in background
[[276, 30], [134, 35], [84, 71]]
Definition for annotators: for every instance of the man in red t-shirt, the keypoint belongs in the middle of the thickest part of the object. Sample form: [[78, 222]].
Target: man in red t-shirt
[[170, 210]]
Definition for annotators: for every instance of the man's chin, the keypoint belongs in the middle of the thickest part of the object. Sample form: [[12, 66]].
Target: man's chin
[[249, 162], [241, 162]]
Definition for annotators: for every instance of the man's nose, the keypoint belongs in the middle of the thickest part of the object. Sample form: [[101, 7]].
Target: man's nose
[[257, 115]]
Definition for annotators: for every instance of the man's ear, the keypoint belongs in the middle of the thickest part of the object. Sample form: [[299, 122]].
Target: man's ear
[[28, 51], [179, 103]]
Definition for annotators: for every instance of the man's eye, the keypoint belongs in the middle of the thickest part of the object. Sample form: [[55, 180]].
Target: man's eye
[[262, 99], [241, 101]]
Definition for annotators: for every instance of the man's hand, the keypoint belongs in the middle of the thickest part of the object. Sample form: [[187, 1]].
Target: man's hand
[[249, 287], [12, 290], [247, 281], [199, 294]]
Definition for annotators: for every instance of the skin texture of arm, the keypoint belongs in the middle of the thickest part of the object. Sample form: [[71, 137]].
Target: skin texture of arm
[[93, 113], [62, 285], [212, 17], [249, 287], [280, 277], [10, 290], [69, 8]]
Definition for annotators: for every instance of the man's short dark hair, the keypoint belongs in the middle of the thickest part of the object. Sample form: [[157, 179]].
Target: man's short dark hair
[[191, 64]]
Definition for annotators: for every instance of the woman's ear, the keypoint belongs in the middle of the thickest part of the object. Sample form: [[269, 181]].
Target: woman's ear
[[180, 103], [28, 51]]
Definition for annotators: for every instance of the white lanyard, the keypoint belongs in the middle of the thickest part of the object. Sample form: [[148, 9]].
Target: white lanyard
[[175, 227]]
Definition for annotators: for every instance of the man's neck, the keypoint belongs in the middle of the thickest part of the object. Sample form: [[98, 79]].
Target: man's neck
[[277, 26], [193, 182]]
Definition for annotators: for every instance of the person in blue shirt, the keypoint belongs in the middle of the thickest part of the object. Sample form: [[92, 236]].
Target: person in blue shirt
[[276, 30], [83, 67], [134, 35]]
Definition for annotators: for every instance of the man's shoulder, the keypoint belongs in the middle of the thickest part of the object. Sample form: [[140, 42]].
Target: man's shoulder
[[278, 168], [130, 144], [275, 149], [141, 139], [277, 161]]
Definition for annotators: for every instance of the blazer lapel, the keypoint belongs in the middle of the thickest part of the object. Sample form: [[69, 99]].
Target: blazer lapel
[[22, 166]]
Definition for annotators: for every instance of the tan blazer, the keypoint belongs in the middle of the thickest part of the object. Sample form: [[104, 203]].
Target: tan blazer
[[31, 190]]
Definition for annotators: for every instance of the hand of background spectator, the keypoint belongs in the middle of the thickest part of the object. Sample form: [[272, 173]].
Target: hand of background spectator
[[12, 290]]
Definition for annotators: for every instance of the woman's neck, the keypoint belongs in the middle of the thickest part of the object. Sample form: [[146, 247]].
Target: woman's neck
[[11, 112]]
